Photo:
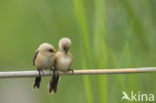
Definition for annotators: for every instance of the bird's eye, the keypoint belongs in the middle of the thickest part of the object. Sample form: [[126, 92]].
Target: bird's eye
[[50, 50]]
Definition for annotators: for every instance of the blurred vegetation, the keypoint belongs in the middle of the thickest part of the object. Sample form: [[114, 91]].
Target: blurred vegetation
[[104, 34]]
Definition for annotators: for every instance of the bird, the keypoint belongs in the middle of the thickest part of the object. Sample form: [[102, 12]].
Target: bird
[[63, 61], [44, 59]]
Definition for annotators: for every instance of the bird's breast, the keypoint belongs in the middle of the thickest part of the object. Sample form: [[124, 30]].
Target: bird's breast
[[44, 62], [63, 64]]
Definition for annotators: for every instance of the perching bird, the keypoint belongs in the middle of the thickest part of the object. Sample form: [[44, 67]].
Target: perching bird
[[63, 61], [43, 59]]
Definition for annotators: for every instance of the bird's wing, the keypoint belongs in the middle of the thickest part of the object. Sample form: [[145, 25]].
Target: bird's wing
[[71, 58], [34, 58]]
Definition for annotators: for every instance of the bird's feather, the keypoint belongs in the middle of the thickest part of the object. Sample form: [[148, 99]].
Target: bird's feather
[[34, 58], [53, 83]]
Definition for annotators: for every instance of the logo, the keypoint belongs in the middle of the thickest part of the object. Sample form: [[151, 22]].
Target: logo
[[137, 96]]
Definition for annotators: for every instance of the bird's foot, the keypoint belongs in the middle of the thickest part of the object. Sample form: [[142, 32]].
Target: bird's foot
[[53, 70], [40, 71]]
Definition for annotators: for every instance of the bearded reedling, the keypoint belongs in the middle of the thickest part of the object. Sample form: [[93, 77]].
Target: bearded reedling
[[63, 61], [44, 59]]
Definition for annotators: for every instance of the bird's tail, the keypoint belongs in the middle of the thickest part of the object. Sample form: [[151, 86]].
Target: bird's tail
[[37, 82], [53, 83]]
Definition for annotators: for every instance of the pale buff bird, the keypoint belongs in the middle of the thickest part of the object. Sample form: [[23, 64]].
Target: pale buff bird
[[43, 59], [63, 61]]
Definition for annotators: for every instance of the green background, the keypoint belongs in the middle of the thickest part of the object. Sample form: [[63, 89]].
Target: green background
[[104, 34]]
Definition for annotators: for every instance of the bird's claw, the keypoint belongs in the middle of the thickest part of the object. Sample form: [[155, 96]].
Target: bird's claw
[[39, 70], [53, 70]]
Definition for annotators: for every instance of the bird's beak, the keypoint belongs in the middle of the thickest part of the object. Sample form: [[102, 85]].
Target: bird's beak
[[55, 51]]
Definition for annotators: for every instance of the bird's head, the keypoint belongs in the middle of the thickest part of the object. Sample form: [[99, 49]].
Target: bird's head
[[64, 44], [46, 49]]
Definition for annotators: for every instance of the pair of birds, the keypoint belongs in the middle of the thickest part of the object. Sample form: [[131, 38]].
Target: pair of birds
[[45, 58]]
